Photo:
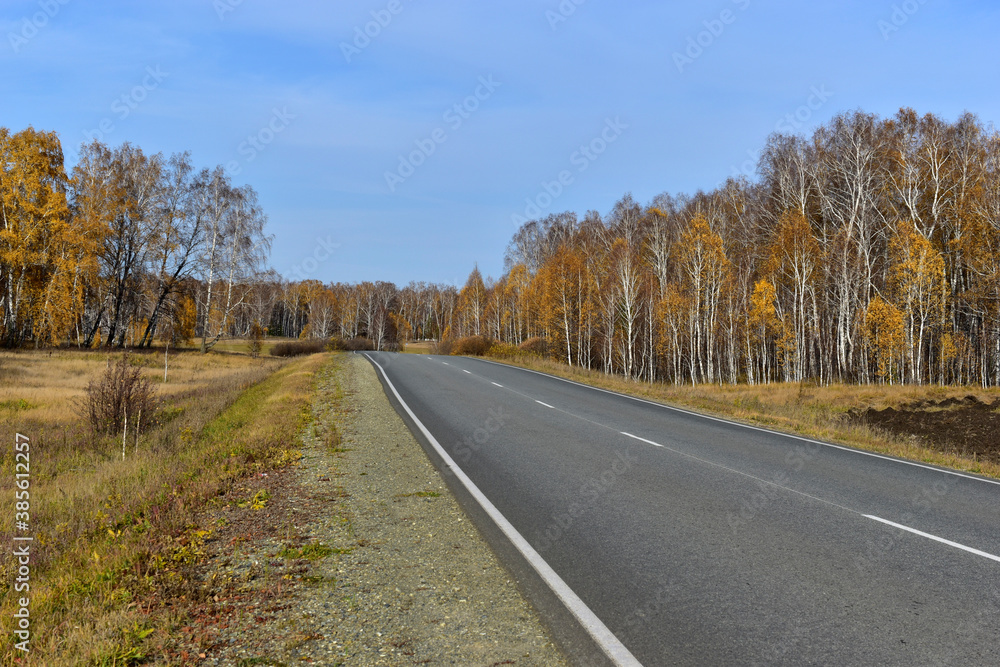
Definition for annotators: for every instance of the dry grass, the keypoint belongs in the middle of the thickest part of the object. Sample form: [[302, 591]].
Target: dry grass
[[242, 345], [814, 411], [113, 538], [419, 347], [52, 383], [294, 348]]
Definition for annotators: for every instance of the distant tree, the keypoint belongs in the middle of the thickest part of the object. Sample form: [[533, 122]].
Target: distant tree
[[918, 283], [472, 303]]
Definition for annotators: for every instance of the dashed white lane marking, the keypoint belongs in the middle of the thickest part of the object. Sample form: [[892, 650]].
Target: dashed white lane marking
[[465, 371], [935, 538], [672, 408], [929, 536], [869, 516], [648, 442], [498, 385]]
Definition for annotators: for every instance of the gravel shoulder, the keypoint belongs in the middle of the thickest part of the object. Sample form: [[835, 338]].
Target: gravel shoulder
[[359, 555]]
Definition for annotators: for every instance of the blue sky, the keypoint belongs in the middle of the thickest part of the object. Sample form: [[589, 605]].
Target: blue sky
[[313, 113]]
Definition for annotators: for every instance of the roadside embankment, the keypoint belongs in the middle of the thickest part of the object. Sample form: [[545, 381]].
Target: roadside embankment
[[359, 555]]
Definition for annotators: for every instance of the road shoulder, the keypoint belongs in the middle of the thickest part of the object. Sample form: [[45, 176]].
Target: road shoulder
[[359, 555]]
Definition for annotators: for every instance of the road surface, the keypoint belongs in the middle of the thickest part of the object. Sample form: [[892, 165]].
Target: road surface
[[651, 535]]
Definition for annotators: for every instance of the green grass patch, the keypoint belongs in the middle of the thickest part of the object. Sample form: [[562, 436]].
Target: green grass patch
[[16, 405], [419, 494], [313, 551], [258, 501]]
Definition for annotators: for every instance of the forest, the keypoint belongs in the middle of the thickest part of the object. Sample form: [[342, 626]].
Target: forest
[[126, 248], [864, 253]]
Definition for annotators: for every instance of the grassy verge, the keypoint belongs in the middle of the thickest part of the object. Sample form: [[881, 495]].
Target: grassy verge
[[819, 412], [114, 539], [242, 345]]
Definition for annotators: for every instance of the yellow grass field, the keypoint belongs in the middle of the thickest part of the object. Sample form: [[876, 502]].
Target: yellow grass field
[[111, 536], [242, 345], [419, 347], [52, 383]]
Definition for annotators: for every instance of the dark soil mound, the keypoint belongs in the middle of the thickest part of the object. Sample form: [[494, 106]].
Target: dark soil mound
[[963, 425]]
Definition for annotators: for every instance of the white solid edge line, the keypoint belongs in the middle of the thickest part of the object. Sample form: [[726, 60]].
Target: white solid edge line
[[754, 428], [648, 442], [545, 404], [600, 633], [935, 538]]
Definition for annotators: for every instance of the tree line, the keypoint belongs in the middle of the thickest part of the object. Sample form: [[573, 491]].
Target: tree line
[[130, 248], [125, 248], [866, 252]]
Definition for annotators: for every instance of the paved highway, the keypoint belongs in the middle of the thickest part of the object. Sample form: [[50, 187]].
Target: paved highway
[[651, 535]]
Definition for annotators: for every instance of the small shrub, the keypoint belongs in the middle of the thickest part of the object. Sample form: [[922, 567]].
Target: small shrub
[[351, 344], [144, 360], [16, 405], [503, 351], [443, 346], [534, 346], [169, 414], [419, 494], [120, 391], [256, 339], [314, 551], [258, 501], [357, 344], [475, 346], [295, 348]]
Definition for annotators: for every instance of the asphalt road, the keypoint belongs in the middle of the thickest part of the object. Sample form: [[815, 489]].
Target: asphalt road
[[697, 541]]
